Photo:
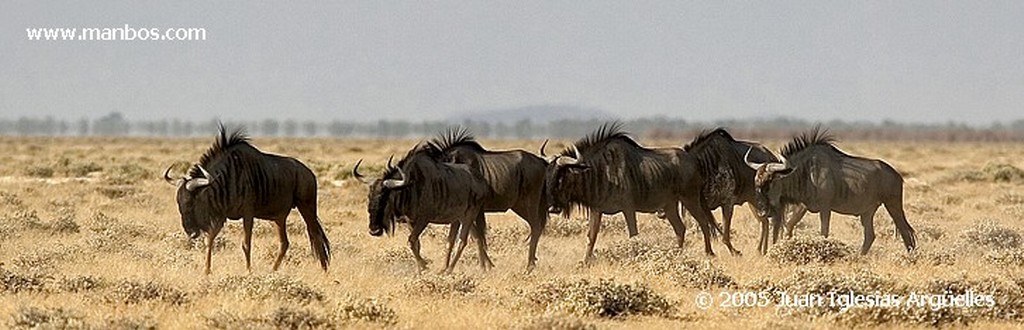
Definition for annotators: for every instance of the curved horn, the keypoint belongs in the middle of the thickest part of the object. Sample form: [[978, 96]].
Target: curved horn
[[746, 159], [197, 183], [545, 144], [167, 176], [389, 160], [360, 177], [396, 183]]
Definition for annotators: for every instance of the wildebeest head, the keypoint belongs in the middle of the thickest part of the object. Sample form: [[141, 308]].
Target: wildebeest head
[[564, 178], [766, 186], [379, 198], [194, 201]]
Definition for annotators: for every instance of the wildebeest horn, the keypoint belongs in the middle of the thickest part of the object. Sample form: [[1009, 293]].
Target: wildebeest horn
[[568, 160], [389, 161], [167, 176], [196, 183], [746, 159], [360, 177], [396, 183], [542, 145]]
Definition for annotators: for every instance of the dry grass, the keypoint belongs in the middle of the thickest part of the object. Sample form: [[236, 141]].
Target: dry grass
[[89, 229]]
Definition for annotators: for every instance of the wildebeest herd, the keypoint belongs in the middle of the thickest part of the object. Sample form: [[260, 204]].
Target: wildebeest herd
[[452, 179]]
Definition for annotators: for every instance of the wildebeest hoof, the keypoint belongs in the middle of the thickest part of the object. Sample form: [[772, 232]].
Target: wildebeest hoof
[[736, 253]]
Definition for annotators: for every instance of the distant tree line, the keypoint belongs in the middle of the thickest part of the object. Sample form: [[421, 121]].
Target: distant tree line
[[116, 124]]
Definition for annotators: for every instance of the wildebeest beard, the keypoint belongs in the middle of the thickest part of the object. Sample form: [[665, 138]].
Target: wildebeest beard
[[381, 218]]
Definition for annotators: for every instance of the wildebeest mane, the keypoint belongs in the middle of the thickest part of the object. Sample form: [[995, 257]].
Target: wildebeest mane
[[607, 132], [815, 137], [221, 144], [456, 137]]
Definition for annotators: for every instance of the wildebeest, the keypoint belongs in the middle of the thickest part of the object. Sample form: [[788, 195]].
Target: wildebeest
[[422, 190], [815, 173], [234, 180], [515, 179], [608, 172], [728, 181]]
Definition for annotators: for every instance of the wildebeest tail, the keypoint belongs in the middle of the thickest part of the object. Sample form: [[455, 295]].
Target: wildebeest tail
[[318, 242]]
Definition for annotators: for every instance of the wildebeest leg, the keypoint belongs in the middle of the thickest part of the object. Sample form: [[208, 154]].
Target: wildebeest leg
[[414, 243], [464, 231], [762, 242], [595, 228], [537, 218], [826, 217], [630, 216], [799, 211], [868, 221], [895, 208], [672, 213], [210, 236], [704, 220], [453, 232], [727, 229], [480, 234], [247, 241], [282, 235]]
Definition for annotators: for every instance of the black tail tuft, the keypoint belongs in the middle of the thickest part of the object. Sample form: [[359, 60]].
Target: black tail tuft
[[319, 243]]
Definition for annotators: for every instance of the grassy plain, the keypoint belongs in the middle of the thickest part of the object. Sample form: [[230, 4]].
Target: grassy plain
[[90, 237]]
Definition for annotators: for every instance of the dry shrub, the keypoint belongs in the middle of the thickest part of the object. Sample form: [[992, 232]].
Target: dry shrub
[[127, 174], [944, 257], [363, 310], [650, 257], [700, 274], [131, 323], [10, 199], [990, 234], [117, 191], [47, 318], [604, 298], [822, 282], [810, 249], [1006, 257], [39, 171], [134, 292], [82, 283], [928, 232], [561, 227], [1010, 198], [43, 260], [444, 285], [1008, 296], [553, 322], [991, 172], [263, 287], [15, 282], [346, 313]]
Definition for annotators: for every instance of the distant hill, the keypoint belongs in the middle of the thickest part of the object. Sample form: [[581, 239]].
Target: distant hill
[[535, 113]]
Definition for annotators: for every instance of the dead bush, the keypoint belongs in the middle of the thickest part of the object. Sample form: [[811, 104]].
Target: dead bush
[[127, 174], [16, 282], [810, 249], [691, 273], [441, 285], [82, 283], [262, 287], [561, 227], [363, 310], [604, 298], [47, 318], [131, 323], [1006, 257], [991, 235], [39, 171], [134, 292], [555, 322], [919, 257]]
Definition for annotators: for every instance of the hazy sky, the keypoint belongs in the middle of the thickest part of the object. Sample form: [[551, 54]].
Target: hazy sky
[[930, 61]]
